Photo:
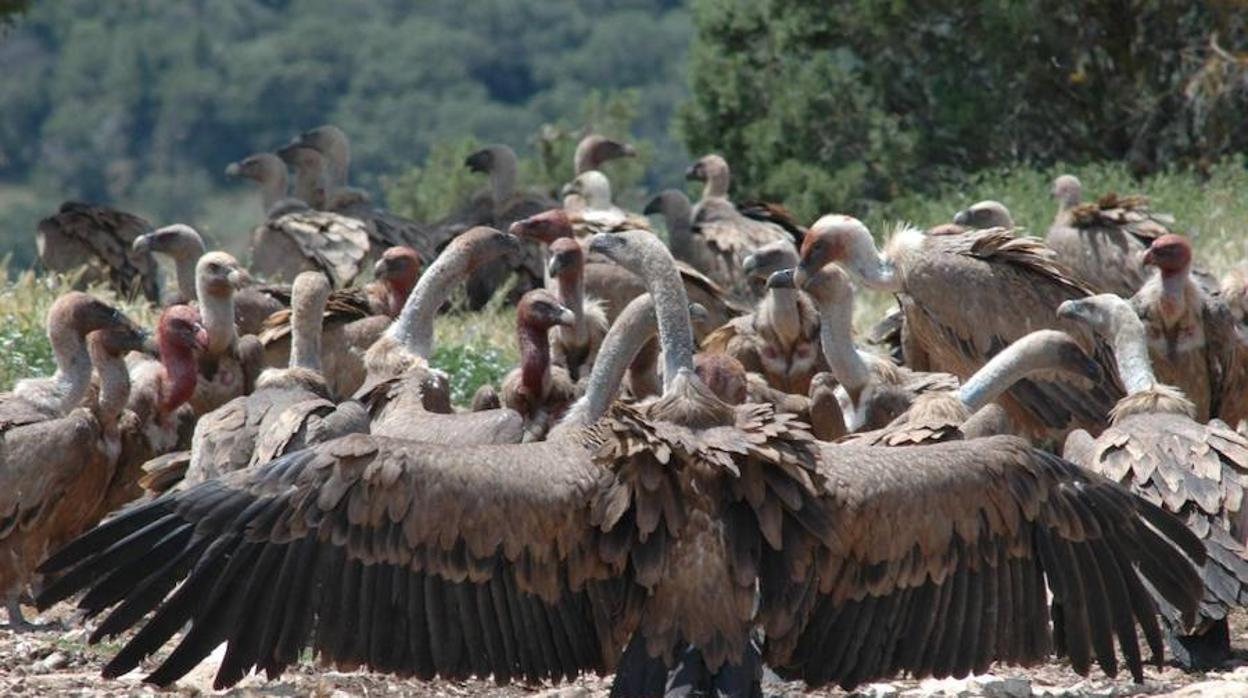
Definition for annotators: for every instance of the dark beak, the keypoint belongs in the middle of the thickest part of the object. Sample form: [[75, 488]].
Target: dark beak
[[781, 279], [962, 217], [478, 161], [1149, 259], [381, 269], [694, 172], [233, 170], [653, 206]]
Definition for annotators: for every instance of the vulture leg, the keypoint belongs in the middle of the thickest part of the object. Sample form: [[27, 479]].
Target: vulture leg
[[17, 621], [1202, 651]]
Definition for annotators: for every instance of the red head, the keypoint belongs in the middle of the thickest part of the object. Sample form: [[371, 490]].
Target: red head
[[544, 227], [1172, 254], [178, 334], [539, 309], [398, 268], [724, 375]]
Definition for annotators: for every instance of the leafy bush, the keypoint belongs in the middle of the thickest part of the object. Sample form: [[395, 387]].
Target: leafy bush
[[830, 105]]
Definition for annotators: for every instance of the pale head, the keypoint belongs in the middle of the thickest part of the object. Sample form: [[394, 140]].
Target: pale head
[[261, 167], [544, 227], [671, 203], [829, 286], [837, 239], [301, 157], [593, 150], [82, 313], [219, 274], [119, 340], [489, 158], [179, 241], [483, 244], [311, 288], [323, 139], [770, 258], [1067, 190], [985, 214], [593, 186]]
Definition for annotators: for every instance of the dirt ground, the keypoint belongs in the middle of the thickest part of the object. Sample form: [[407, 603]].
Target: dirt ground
[[56, 660]]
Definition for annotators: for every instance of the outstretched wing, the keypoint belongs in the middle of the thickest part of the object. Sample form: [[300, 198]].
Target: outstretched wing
[[405, 558], [939, 560]]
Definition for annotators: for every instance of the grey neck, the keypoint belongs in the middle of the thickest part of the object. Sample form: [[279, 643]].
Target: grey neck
[[273, 189], [679, 215], [414, 326], [306, 329], [184, 274], [73, 366], [634, 326], [217, 313], [836, 332], [114, 386], [780, 308], [1022, 358], [1130, 344], [502, 177]]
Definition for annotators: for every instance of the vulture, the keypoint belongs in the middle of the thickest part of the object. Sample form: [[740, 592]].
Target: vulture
[[55, 466], [614, 286], [404, 396], [354, 318], [228, 367], [984, 214], [970, 410], [873, 391], [309, 165], [596, 213], [1234, 291], [723, 235], [966, 297], [290, 409], [1192, 334], [1102, 242], [294, 237], [498, 208], [385, 229], [159, 421], [183, 245], [780, 339], [538, 392], [662, 534], [1196, 471], [575, 347], [99, 238], [592, 152]]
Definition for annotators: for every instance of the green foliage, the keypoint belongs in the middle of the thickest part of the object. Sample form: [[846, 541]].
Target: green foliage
[[24, 348], [476, 348], [828, 106]]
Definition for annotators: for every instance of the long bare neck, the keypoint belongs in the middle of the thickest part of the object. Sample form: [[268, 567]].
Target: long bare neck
[[306, 329], [114, 385], [634, 326], [672, 309], [780, 311], [534, 358], [1022, 358], [414, 326], [502, 177], [272, 188], [679, 215], [716, 184], [836, 336], [73, 365], [308, 185], [339, 156], [571, 293], [1174, 289], [184, 274], [179, 377], [1130, 345], [217, 312]]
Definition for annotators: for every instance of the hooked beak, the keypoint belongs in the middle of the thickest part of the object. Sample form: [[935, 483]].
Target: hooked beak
[[142, 243], [569, 188], [699, 315], [749, 264], [556, 265], [962, 217], [781, 279], [149, 344], [238, 278], [478, 161], [1148, 259], [233, 170], [653, 206], [1070, 310], [694, 172], [801, 276], [201, 337], [567, 318], [382, 268]]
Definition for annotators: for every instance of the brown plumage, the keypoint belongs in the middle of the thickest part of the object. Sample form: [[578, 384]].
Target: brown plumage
[[498, 208], [682, 522], [966, 297], [1234, 292], [354, 318], [615, 286], [780, 339], [406, 397], [385, 229], [230, 364], [1192, 335], [536, 390], [290, 409], [183, 245], [100, 238], [1102, 242], [943, 415], [55, 469], [872, 390], [295, 237], [1194, 470]]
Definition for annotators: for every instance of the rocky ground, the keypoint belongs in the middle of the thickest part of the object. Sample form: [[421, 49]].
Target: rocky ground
[[56, 660]]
